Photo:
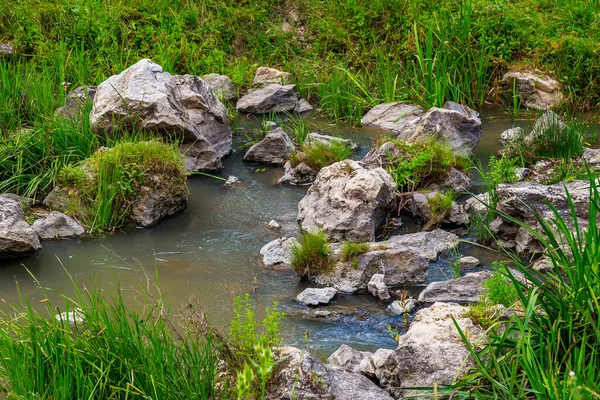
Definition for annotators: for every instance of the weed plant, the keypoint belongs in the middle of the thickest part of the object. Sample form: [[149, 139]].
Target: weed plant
[[318, 155], [311, 255], [351, 251]]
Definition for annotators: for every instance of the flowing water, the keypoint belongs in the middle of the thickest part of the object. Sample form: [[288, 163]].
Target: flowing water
[[210, 252]]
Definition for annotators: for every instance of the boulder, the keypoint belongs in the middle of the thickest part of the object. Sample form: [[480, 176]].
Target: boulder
[[401, 307], [275, 148], [57, 225], [394, 117], [378, 288], [456, 181], [467, 288], [348, 201], [277, 252], [380, 366], [467, 262], [265, 76], [221, 86], [314, 138], [302, 106], [76, 102], [432, 350], [510, 135], [379, 157], [299, 375], [273, 98], [274, 225], [316, 296], [145, 96], [301, 174], [158, 199], [456, 125], [17, 238], [428, 245], [477, 204], [535, 91], [549, 121], [347, 358], [591, 157]]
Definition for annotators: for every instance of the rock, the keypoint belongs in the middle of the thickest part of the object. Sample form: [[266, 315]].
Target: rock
[[457, 215], [273, 98], [302, 106], [399, 265], [265, 76], [467, 262], [275, 148], [232, 181], [510, 135], [477, 204], [221, 86], [421, 207], [591, 157], [277, 252], [428, 245], [301, 174], [522, 173], [23, 201], [347, 358], [60, 199], [76, 102], [539, 92], [378, 288], [327, 140], [17, 238], [432, 350], [380, 156], [57, 226], [458, 126], [544, 264], [380, 366], [457, 181], [393, 117], [298, 375], [467, 288], [145, 96], [74, 318], [403, 306], [348, 201], [549, 121], [274, 225], [316, 296], [7, 48]]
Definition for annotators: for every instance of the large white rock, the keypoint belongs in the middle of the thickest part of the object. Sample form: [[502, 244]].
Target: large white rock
[[316, 296], [277, 252], [185, 106], [348, 201], [265, 76], [468, 288], [535, 90], [272, 98], [221, 86], [347, 358], [275, 148], [394, 117], [17, 238], [378, 288]]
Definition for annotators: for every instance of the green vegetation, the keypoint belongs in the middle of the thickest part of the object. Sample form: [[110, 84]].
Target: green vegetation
[[318, 155], [552, 349], [422, 163], [351, 251], [502, 170], [440, 204], [103, 188], [311, 255], [499, 288]]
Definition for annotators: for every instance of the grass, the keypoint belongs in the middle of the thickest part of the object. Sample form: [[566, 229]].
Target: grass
[[499, 289], [311, 255], [502, 170], [351, 251], [318, 155]]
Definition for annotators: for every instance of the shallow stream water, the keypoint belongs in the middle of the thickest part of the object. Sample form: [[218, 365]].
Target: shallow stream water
[[211, 252]]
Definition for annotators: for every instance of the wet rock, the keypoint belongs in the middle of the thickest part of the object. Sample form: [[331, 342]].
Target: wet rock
[[348, 201], [277, 252], [456, 125], [76, 102], [467, 288], [380, 366], [158, 199], [221, 86], [378, 288], [302, 106], [145, 96], [301, 174], [403, 306], [273, 98], [510, 135], [467, 262], [17, 238], [327, 140], [274, 225], [57, 225], [316, 296], [394, 117], [432, 350], [275, 148], [7, 48], [347, 358], [535, 91], [265, 76], [301, 376]]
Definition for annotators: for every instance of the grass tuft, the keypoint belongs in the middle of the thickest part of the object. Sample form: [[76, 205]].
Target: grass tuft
[[311, 255]]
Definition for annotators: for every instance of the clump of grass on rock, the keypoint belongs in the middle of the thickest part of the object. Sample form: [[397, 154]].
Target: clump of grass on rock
[[311, 255], [319, 155]]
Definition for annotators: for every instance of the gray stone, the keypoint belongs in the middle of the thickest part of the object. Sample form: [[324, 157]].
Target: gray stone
[[316, 296], [145, 96], [274, 225], [401, 307], [467, 262], [57, 225], [457, 181], [379, 157], [477, 204], [314, 138], [301, 174], [394, 117], [277, 252], [535, 91], [275, 148], [548, 121], [7, 48], [348, 201], [591, 157], [232, 181], [377, 287], [347, 358], [428, 245], [302, 106], [221, 86], [17, 238], [421, 207], [511, 135], [76, 102], [544, 264], [265, 76], [75, 318], [467, 288], [273, 98], [380, 366]]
